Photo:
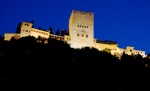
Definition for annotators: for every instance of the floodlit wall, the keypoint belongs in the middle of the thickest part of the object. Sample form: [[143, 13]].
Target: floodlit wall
[[130, 51], [8, 36], [81, 29], [27, 30], [102, 46], [36, 33]]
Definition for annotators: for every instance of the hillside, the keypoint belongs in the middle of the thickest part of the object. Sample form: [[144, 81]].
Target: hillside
[[28, 63]]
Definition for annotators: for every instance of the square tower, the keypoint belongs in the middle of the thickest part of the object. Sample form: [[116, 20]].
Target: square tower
[[81, 29], [25, 29]]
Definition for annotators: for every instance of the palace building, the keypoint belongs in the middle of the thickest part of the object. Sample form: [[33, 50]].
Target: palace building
[[81, 34]]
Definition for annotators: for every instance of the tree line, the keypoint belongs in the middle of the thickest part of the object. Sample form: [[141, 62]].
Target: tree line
[[56, 65]]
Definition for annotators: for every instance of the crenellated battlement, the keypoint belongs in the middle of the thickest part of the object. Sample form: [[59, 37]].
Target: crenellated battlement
[[82, 12]]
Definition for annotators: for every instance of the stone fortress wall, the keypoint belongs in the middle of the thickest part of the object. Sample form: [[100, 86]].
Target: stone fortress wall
[[81, 34]]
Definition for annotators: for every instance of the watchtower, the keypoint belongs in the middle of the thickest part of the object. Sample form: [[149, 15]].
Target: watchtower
[[81, 29], [25, 29]]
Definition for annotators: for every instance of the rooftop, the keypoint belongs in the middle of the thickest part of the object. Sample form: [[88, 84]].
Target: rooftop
[[106, 42]]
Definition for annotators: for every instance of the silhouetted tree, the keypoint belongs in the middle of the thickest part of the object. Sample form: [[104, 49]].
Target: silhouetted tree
[[51, 30], [107, 50], [58, 32], [63, 32], [1, 38], [32, 23], [18, 29], [67, 32]]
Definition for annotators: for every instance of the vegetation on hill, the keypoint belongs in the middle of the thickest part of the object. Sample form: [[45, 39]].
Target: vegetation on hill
[[28, 63]]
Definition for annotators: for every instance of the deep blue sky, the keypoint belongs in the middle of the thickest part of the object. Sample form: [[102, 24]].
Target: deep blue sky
[[124, 21]]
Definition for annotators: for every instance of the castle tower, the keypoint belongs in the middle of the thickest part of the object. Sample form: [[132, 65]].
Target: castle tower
[[81, 29], [25, 29]]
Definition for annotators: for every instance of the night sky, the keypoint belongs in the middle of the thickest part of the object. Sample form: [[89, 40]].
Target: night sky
[[124, 21]]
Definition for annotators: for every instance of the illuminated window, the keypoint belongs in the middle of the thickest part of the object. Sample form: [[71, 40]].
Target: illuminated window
[[62, 38], [82, 35], [58, 37], [130, 50], [26, 24], [86, 36], [78, 35], [53, 36]]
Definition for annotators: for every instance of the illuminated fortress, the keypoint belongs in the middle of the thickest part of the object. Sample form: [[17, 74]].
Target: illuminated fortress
[[81, 34]]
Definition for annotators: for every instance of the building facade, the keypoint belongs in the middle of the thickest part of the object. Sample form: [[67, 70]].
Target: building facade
[[27, 30], [81, 34], [81, 29]]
